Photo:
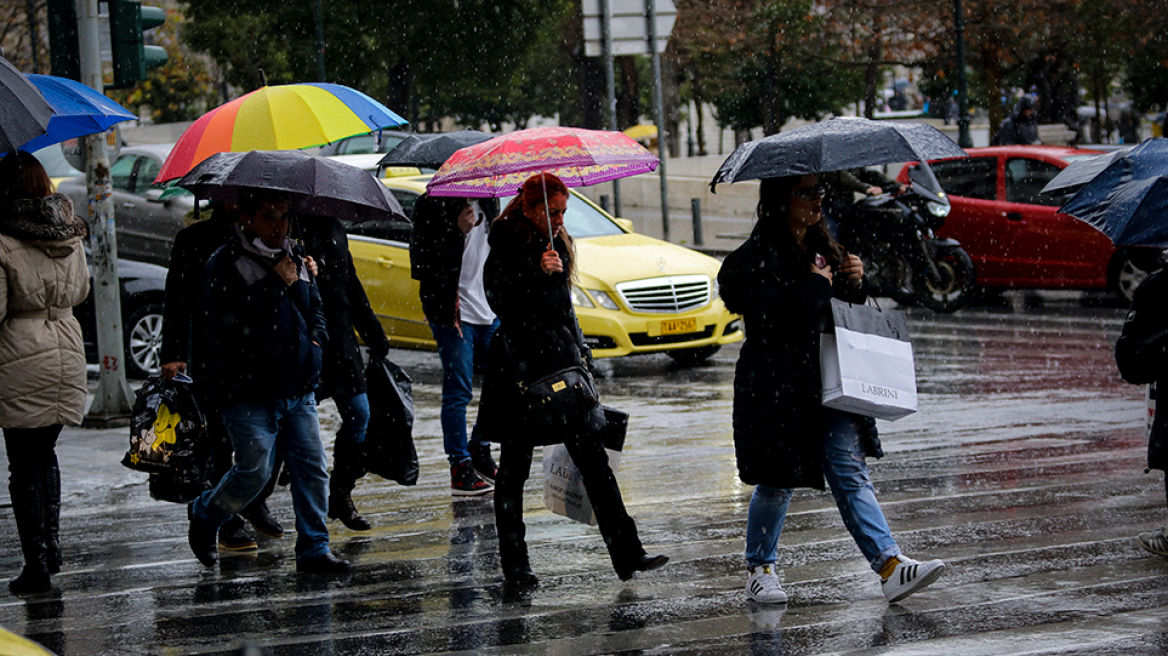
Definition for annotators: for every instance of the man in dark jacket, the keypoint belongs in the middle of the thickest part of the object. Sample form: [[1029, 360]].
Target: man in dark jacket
[[266, 333], [346, 307], [448, 248], [183, 337], [1142, 356], [1021, 127]]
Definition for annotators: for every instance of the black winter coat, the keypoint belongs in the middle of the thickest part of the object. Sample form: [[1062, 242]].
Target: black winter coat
[[778, 418], [538, 332], [261, 331], [1142, 355], [184, 315], [436, 246], [346, 307]]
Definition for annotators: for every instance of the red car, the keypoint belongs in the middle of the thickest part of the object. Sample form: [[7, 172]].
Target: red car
[[1016, 237]]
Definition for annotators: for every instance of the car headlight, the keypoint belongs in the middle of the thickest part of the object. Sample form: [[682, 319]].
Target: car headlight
[[604, 300], [938, 209], [580, 299]]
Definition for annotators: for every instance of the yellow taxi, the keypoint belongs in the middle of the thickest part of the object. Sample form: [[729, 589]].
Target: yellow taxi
[[634, 294]]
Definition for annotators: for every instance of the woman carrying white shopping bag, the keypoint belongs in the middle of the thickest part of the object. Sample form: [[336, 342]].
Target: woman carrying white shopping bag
[[782, 281]]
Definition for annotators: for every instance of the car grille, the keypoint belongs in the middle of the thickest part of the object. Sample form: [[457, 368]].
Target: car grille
[[669, 294]]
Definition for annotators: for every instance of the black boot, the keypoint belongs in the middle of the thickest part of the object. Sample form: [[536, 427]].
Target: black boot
[[52, 482], [201, 538], [28, 507], [341, 504], [261, 518]]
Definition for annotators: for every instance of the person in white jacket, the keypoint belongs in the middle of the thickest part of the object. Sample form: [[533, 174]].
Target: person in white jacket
[[43, 275]]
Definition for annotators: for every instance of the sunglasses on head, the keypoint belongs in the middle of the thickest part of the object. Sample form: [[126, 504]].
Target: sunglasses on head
[[810, 193]]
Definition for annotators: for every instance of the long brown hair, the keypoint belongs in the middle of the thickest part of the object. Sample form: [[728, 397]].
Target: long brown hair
[[22, 177], [774, 195], [530, 197]]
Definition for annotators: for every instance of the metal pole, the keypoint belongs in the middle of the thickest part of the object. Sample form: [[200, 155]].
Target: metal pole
[[658, 111], [112, 399], [609, 85], [963, 137], [695, 205]]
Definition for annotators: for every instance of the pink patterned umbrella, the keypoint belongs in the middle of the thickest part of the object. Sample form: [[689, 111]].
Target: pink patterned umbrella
[[579, 157]]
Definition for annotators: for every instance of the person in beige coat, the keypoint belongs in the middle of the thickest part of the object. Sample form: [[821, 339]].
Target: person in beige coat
[[42, 359]]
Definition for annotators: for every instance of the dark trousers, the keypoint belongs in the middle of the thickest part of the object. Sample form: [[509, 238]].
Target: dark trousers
[[34, 482], [617, 528]]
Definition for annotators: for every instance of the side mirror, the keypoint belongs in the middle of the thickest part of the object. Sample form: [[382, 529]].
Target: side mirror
[[626, 224], [155, 195]]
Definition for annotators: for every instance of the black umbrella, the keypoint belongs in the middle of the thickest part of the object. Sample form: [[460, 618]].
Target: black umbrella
[[431, 150], [1081, 171], [835, 145], [315, 185], [24, 112]]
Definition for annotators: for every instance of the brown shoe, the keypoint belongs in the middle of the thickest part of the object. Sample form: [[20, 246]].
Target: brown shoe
[[341, 507]]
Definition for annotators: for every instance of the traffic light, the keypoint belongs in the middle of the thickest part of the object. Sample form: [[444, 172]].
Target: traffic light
[[63, 54], [128, 19]]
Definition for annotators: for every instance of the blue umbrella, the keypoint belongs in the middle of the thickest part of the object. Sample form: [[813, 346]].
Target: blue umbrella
[[1146, 160], [1131, 213], [79, 111]]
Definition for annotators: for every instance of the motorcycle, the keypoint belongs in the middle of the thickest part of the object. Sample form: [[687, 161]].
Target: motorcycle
[[893, 234]]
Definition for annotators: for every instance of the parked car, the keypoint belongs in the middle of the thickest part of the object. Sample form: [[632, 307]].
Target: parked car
[[363, 144], [634, 295], [1016, 236], [142, 291], [146, 218], [58, 168]]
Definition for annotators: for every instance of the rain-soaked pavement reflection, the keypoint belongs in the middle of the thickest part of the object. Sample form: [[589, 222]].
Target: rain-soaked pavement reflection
[[1023, 470]]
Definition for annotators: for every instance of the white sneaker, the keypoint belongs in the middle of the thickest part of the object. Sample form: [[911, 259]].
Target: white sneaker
[[910, 576], [1155, 542], [764, 587]]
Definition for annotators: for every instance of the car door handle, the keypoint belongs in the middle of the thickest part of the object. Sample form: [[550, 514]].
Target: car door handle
[[129, 205], [385, 262], [1014, 216]]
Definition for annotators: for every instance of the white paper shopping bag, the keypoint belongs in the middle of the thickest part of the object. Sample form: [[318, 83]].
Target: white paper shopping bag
[[867, 364]]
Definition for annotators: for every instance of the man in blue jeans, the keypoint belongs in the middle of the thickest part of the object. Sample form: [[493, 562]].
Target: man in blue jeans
[[448, 248], [267, 332]]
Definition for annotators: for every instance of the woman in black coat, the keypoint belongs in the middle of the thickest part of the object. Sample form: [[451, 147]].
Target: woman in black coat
[[347, 314], [1142, 356], [527, 282], [782, 281]]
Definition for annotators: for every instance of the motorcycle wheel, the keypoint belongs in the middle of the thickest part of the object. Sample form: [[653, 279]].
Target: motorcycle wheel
[[954, 287], [887, 271]]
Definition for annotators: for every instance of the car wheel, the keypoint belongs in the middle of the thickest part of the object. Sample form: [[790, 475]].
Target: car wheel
[[1125, 277], [144, 341], [693, 356]]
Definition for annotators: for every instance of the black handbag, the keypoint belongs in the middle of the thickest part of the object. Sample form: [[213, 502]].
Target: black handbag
[[562, 398], [389, 443]]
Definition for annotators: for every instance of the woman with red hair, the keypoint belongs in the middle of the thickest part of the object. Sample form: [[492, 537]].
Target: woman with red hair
[[528, 280]]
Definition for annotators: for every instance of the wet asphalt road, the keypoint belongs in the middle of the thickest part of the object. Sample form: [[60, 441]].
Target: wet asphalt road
[[1023, 470]]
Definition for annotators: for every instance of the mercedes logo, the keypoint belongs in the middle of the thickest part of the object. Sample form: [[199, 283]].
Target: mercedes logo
[[661, 263]]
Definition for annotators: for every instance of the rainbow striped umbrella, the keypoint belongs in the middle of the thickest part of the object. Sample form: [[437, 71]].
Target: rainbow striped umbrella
[[284, 117], [579, 157]]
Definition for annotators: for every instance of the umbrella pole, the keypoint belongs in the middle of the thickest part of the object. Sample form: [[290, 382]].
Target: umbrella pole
[[547, 212]]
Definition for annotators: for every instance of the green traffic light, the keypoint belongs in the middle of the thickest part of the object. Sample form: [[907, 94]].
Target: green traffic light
[[131, 57]]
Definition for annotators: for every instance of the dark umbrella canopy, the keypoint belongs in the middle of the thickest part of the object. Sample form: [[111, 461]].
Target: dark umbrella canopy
[[1131, 213], [1081, 171], [1147, 160], [431, 150], [24, 112], [315, 185], [835, 145]]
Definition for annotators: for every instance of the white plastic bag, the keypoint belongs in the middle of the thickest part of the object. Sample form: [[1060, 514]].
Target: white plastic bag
[[867, 364]]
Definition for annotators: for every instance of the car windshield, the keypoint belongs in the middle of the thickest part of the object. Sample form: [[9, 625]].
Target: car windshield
[[582, 219]]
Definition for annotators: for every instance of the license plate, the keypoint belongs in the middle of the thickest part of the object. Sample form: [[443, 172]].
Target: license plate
[[676, 326]]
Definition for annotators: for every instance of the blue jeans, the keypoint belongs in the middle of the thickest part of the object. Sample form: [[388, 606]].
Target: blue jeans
[[847, 476], [253, 428], [459, 354]]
